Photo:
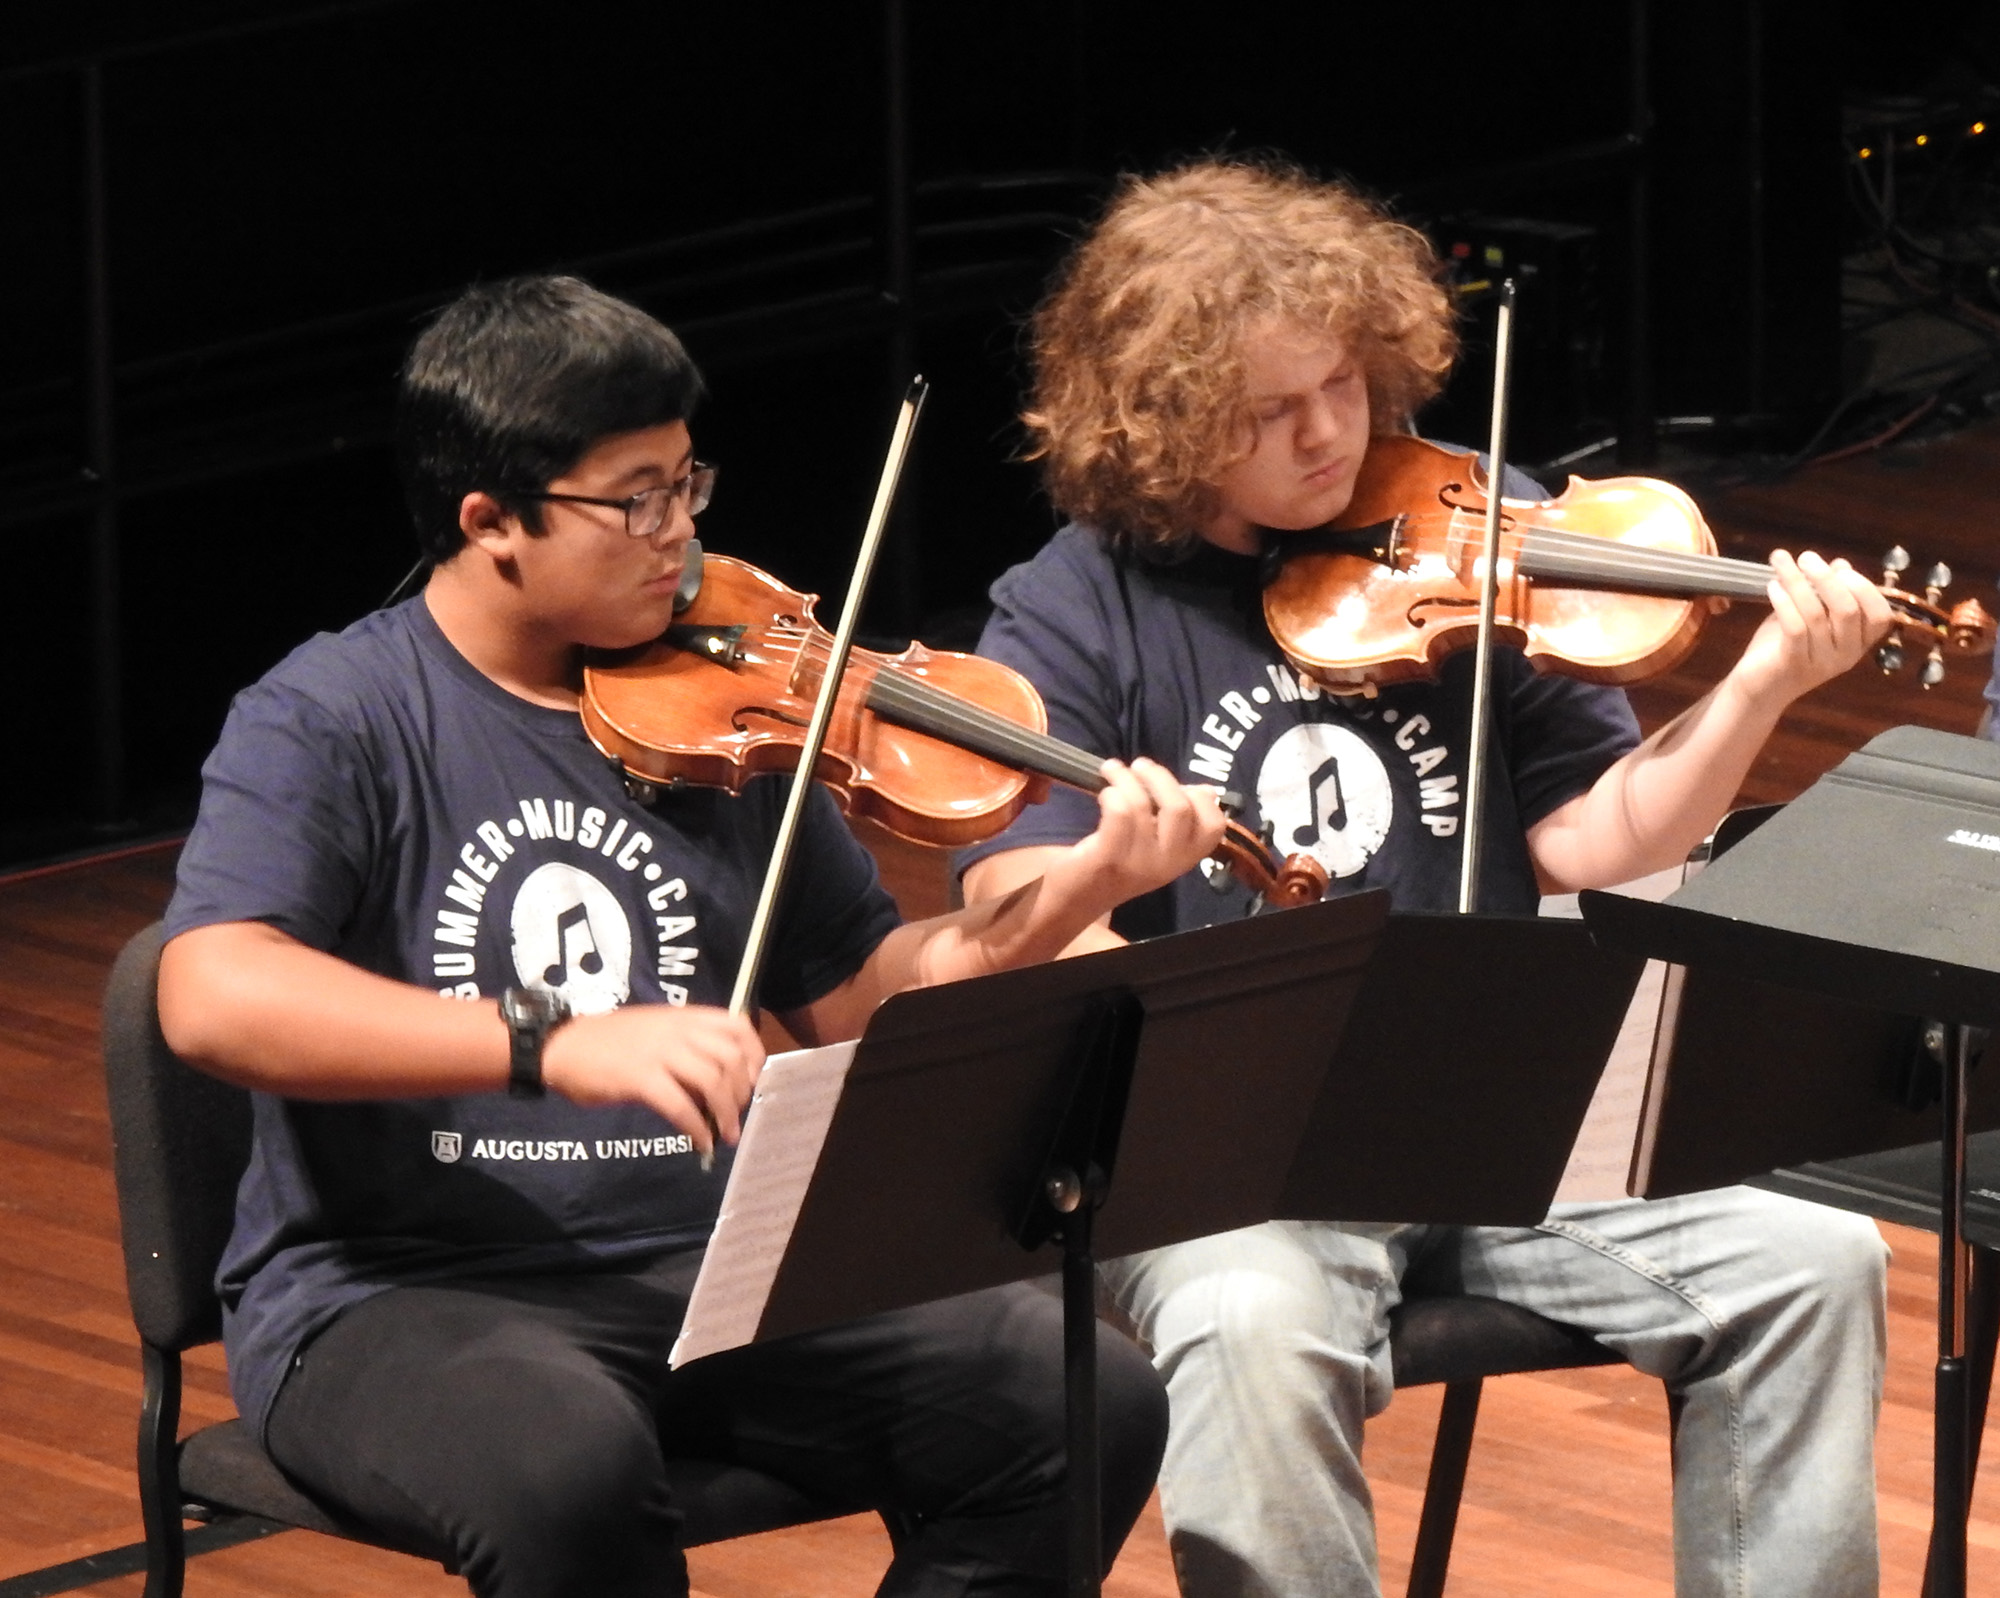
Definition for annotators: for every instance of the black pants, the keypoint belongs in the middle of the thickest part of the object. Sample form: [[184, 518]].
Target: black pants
[[522, 1424]]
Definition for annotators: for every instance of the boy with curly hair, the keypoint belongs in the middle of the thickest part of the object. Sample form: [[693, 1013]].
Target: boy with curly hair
[[1211, 369]]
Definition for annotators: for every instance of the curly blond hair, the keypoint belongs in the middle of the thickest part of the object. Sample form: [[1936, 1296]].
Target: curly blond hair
[[1138, 399]]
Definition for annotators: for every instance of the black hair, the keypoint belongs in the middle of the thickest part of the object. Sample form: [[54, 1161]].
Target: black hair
[[513, 383]]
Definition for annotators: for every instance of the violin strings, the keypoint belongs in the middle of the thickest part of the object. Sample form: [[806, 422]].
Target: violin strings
[[1551, 552], [932, 710], [1606, 554], [1744, 579], [1587, 555], [1740, 576], [1546, 551]]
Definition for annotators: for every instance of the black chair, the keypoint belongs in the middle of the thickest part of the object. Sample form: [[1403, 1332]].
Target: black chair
[[1460, 1339], [181, 1140]]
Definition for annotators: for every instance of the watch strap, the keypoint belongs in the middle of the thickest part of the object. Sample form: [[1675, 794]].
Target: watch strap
[[531, 1015]]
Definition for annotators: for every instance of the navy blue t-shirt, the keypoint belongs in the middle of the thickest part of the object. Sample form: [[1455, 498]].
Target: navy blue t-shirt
[[377, 797], [1175, 662]]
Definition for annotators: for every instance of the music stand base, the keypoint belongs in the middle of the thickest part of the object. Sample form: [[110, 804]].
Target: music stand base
[[1086, 1514]]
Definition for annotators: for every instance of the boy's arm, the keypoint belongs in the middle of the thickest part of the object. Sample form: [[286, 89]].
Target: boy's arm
[[1150, 830], [256, 1007], [1647, 811], [998, 875]]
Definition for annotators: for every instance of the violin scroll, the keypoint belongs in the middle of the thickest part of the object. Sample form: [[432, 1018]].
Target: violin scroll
[[1300, 879], [1282, 884], [1966, 628], [1970, 627]]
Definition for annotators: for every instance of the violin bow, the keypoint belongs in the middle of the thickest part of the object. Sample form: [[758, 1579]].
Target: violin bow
[[1489, 592], [829, 689]]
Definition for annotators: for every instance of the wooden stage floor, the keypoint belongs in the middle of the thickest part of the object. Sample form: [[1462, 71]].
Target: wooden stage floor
[[1569, 1487]]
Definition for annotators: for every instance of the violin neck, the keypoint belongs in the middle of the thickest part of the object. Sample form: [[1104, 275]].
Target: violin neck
[[1573, 560], [911, 702]]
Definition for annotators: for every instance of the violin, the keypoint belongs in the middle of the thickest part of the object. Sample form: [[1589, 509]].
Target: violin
[[937, 747], [1610, 581]]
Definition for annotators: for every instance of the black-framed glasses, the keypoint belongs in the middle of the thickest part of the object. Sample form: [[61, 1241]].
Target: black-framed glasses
[[646, 511]]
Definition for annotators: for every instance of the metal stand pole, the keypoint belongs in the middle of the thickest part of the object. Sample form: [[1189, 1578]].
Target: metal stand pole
[[1982, 1316], [1074, 1180], [1638, 442], [1756, 267], [1951, 1469], [899, 291], [107, 707], [1086, 1514]]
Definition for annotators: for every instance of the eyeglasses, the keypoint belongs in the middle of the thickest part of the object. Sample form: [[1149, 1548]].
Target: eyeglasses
[[646, 511]]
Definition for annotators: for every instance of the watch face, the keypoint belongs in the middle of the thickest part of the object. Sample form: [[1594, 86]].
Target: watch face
[[536, 1007]]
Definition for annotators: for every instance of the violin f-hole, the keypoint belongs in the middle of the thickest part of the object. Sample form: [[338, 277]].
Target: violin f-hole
[[786, 717], [1415, 614]]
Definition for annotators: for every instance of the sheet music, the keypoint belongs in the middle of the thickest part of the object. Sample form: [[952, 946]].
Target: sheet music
[[1600, 1163], [782, 1138]]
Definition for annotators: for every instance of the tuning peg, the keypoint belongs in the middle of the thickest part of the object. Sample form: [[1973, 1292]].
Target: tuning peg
[[1894, 564], [1940, 576], [1889, 653], [1933, 672]]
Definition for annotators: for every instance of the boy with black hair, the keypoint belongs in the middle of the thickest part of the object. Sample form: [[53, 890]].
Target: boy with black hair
[[468, 1230], [1211, 367]]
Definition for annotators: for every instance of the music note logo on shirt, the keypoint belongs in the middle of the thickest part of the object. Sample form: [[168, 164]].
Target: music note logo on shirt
[[571, 934], [1334, 817], [1323, 789]]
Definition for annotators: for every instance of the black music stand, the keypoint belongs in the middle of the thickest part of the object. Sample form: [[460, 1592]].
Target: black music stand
[[1471, 1035], [1214, 1071], [1748, 1076], [981, 1119], [1879, 890]]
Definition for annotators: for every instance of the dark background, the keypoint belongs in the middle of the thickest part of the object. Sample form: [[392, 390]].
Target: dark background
[[287, 190]]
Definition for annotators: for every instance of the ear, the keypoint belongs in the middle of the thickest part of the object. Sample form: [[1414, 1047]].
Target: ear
[[488, 525]]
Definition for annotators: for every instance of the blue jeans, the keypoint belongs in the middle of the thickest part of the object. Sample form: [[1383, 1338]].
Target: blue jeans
[[1765, 1314]]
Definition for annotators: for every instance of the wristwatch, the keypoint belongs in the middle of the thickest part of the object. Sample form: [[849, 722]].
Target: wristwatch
[[531, 1015]]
